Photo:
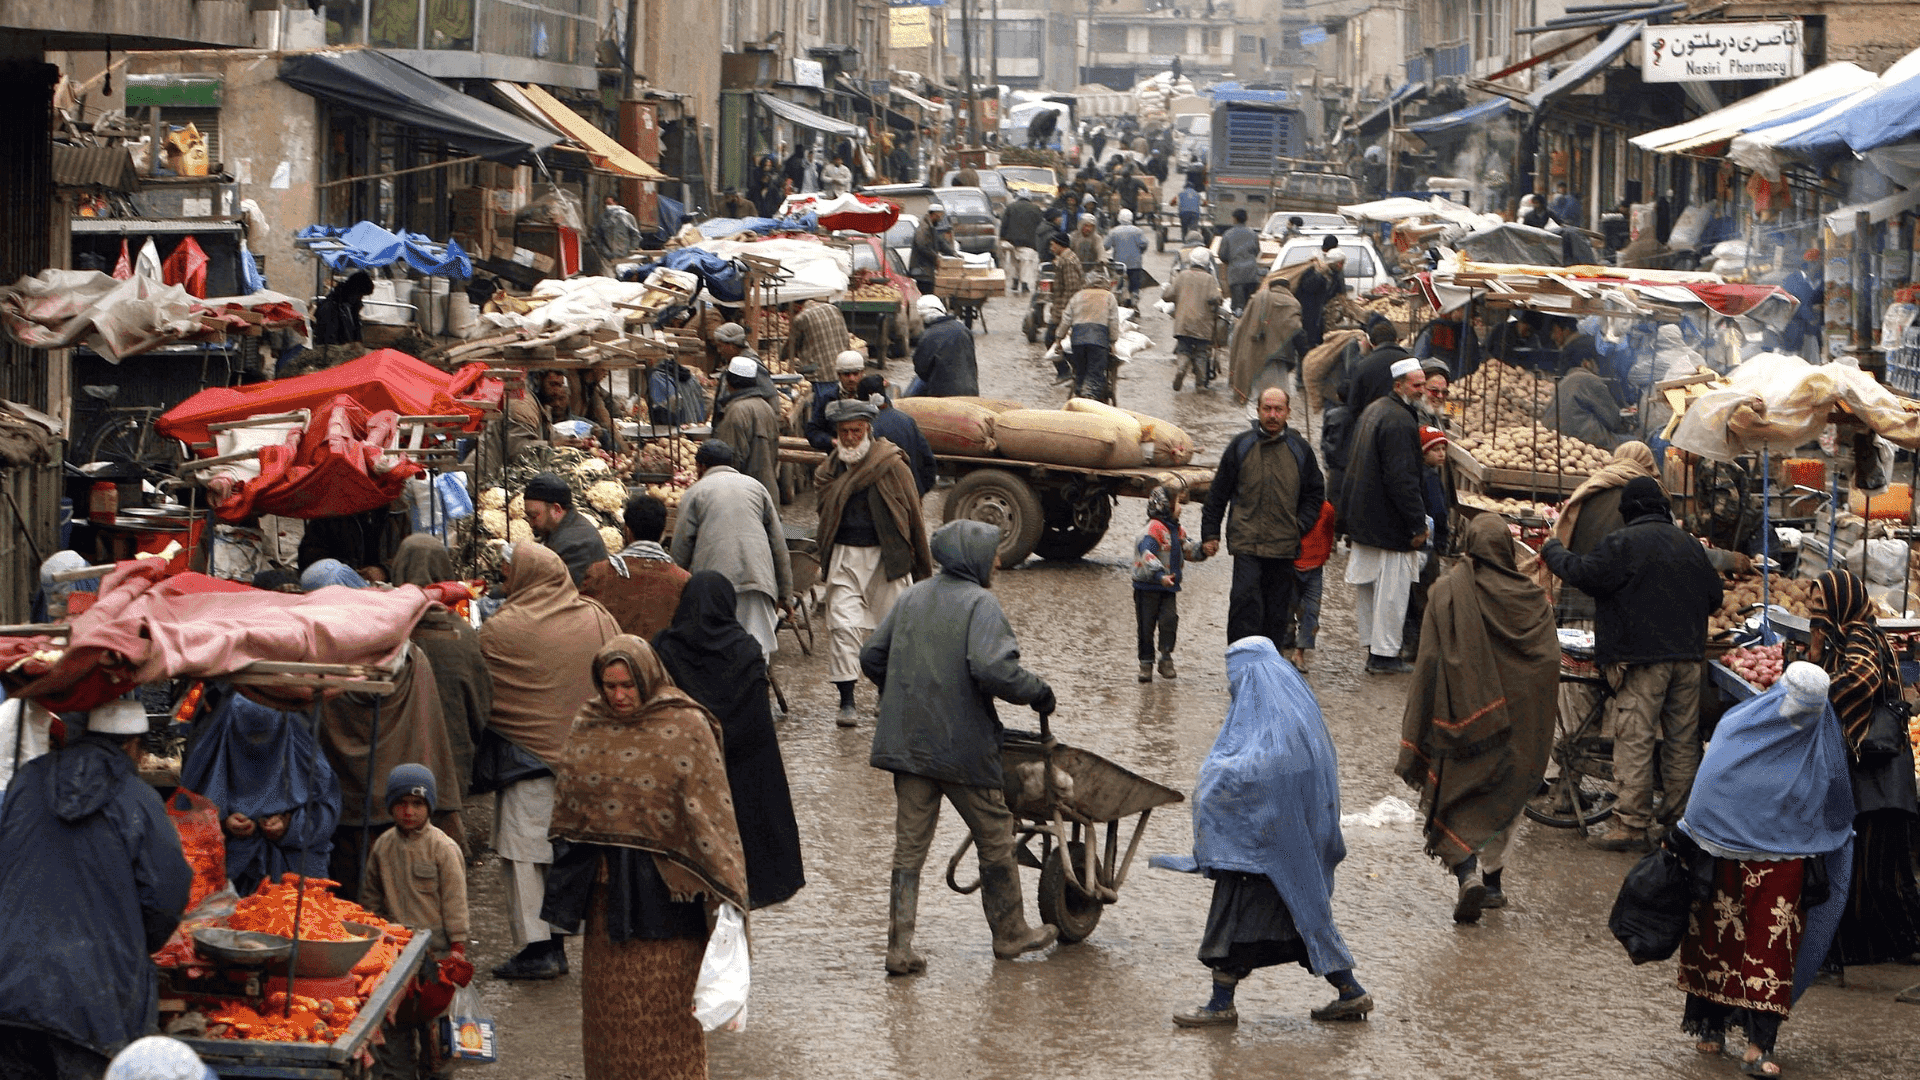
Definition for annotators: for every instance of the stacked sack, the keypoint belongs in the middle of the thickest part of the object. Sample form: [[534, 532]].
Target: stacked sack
[[1085, 434]]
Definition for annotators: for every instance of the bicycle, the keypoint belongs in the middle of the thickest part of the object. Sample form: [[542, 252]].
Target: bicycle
[[125, 435], [1580, 795]]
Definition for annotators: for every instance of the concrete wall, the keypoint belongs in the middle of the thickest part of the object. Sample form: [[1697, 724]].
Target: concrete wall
[[43, 25], [263, 122], [1871, 33]]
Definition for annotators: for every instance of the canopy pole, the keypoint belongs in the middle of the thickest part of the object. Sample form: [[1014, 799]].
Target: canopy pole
[[366, 808], [399, 172], [1766, 546]]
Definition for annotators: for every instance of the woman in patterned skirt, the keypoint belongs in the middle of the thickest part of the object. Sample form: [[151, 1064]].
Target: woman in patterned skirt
[[1772, 806], [645, 847]]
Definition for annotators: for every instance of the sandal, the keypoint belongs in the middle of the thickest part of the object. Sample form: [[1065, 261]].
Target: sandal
[[1711, 1044], [1760, 1066]]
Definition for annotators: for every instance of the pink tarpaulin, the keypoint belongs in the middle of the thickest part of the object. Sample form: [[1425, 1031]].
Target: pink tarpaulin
[[146, 626], [384, 379]]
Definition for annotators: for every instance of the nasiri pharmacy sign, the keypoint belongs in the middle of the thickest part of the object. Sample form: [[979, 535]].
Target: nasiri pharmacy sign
[[1720, 52]]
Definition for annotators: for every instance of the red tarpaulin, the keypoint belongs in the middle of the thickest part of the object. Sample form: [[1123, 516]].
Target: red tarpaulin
[[386, 379], [337, 465], [146, 626], [857, 213]]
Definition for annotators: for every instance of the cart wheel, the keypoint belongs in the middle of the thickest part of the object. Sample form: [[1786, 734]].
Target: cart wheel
[[1073, 530], [1004, 500], [1066, 908]]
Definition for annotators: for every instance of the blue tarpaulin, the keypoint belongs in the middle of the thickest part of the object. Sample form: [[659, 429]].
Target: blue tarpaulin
[[1485, 112], [366, 246], [1888, 115], [1586, 67], [720, 276]]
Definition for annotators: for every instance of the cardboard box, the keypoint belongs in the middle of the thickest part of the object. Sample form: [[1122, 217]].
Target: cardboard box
[[502, 248]]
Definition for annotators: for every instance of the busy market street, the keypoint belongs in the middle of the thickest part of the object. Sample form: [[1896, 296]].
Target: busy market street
[[919, 539]]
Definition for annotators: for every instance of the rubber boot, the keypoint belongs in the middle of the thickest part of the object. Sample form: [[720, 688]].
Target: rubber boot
[[1006, 914], [902, 907], [558, 942]]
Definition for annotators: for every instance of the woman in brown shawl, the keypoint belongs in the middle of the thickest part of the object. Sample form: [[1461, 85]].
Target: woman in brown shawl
[[645, 847], [537, 646], [453, 646], [1480, 712], [1881, 921]]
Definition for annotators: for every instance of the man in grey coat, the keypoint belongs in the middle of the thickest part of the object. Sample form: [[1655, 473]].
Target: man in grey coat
[[940, 657], [728, 523], [1240, 250]]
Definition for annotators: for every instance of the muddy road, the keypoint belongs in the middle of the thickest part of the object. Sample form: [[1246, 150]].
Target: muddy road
[[1538, 989]]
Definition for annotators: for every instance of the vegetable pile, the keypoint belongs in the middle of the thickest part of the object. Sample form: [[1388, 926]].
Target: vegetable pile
[[1793, 594], [1759, 664]]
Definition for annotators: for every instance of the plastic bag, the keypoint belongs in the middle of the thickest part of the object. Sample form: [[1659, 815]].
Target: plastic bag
[[466, 1031], [720, 995], [197, 821], [1391, 810]]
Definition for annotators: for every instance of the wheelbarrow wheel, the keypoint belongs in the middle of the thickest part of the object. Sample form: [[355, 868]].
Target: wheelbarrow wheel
[[1063, 906]]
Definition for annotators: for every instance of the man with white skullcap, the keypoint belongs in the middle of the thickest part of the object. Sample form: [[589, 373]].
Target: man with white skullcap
[[848, 368], [1382, 508], [1195, 296], [1128, 242], [751, 423], [943, 360], [93, 881]]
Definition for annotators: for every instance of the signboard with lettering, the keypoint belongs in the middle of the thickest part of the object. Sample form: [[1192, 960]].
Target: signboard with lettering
[[1723, 52], [809, 73]]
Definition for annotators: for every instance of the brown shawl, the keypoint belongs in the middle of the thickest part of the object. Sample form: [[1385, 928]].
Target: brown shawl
[[411, 730], [1630, 459], [1480, 712], [422, 560], [1272, 319], [886, 472], [652, 780], [537, 646]]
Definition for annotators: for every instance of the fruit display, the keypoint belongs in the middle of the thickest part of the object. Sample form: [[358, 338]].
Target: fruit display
[[1512, 508], [1758, 664], [1743, 592], [876, 290], [1534, 447]]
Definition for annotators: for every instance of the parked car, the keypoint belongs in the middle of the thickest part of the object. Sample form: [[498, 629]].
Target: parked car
[[991, 182], [1037, 180], [1364, 269], [975, 225], [899, 239], [1312, 223]]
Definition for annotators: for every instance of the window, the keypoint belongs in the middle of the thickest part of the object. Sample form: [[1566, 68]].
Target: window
[[1209, 41], [394, 24], [1109, 39], [1020, 38], [1248, 43], [1491, 27], [1166, 39]]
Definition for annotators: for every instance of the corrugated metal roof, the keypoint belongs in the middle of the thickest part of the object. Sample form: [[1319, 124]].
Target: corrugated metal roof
[[94, 166]]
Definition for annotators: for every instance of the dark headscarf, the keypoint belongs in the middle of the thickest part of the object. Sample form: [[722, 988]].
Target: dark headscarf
[[422, 560], [254, 760], [1642, 496], [720, 666], [1855, 654]]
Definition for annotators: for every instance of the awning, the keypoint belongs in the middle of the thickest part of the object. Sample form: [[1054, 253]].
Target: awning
[[1889, 114], [1587, 66], [912, 98], [1759, 148], [1377, 119], [376, 84], [110, 167], [1821, 84], [807, 118], [1485, 112], [601, 147]]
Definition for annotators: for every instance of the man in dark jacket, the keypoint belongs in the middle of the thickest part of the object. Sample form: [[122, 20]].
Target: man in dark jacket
[[1269, 476], [1653, 592], [940, 657], [931, 240], [1383, 508], [901, 430], [1373, 378], [1019, 225], [560, 527], [93, 881], [848, 367], [1240, 250], [1317, 287], [943, 360]]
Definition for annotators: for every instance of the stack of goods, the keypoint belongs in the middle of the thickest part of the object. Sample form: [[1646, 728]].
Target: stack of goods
[[1787, 593], [954, 278], [1534, 448], [270, 910], [1392, 304], [671, 458], [590, 473], [869, 286], [1758, 664], [1499, 395], [1085, 434]]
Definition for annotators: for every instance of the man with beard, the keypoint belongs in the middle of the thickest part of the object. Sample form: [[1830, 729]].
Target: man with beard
[[1383, 509], [750, 423], [872, 539]]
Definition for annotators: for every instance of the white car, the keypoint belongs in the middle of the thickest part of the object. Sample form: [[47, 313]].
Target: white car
[[1364, 269], [1315, 224]]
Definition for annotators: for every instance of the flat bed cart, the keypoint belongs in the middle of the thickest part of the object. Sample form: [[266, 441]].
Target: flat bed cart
[[871, 321], [1062, 795], [1053, 511], [252, 1058]]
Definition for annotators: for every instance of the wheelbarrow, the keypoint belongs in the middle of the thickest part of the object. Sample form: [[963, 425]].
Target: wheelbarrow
[[1062, 795], [803, 553]]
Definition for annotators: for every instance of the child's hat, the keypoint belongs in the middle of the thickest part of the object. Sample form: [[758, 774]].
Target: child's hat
[[410, 779]]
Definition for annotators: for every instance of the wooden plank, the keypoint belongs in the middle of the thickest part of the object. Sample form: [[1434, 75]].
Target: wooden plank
[[260, 421]]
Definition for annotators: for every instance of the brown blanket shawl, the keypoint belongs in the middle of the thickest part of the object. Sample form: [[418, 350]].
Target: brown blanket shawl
[[652, 780], [1480, 712], [538, 645], [886, 472], [411, 730]]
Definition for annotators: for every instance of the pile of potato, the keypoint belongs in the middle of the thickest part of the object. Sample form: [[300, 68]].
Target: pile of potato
[[1520, 397], [1793, 594], [1512, 508], [874, 290], [1534, 447], [668, 455]]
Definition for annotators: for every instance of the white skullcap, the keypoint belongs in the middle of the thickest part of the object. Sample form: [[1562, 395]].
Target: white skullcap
[[158, 1057], [1806, 686], [119, 717], [1126, 217], [930, 306], [850, 360], [1404, 367], [1198, 257], [743, 366]]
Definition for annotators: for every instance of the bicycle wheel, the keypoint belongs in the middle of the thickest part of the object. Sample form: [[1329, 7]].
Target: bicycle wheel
[[1574, 799]]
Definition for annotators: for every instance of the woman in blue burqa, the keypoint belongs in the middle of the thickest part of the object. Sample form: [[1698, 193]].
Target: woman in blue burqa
[[1266, 829], [1773, 805], [278, 799]]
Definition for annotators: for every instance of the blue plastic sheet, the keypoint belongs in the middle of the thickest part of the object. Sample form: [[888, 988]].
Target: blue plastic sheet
[[715, 228], [369, 247], [721, 277]]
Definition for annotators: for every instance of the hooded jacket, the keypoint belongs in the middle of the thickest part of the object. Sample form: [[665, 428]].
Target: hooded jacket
[[943, 359], [92, 880], [941, 657]]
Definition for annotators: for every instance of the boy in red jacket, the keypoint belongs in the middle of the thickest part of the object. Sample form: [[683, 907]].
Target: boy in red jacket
[[1315, 547]]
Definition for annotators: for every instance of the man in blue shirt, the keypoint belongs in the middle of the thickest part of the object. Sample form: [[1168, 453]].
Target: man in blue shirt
[[1128, 242]]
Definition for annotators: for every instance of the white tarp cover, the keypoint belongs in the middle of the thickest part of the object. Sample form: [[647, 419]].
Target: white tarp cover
[[1782, 401], [1759, 150], [584, 303], [59, 309], [819, 271], [1401, 207], [1825, 83]]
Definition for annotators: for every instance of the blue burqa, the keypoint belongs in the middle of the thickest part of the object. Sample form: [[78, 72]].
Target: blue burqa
[[1773, 785], [1268, 797], [249, 759]]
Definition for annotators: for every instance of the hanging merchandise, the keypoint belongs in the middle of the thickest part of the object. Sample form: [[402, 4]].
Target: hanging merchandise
[[147, 263], [187, 268], [123, 269]]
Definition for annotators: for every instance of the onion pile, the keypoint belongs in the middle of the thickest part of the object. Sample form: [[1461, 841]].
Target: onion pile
[[1759, 664]]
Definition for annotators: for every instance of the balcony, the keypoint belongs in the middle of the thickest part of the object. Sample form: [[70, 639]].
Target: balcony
[[551, 42], [1453, 61]]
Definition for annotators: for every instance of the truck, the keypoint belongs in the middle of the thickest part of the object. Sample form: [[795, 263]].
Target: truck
[[1259, 161]]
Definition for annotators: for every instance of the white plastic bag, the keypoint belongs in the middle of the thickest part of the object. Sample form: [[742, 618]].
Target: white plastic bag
[[1391, 810], [720, 995], [466, 1029]]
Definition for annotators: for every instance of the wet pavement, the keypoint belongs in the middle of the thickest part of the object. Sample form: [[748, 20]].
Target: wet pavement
[[1537, 989]]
